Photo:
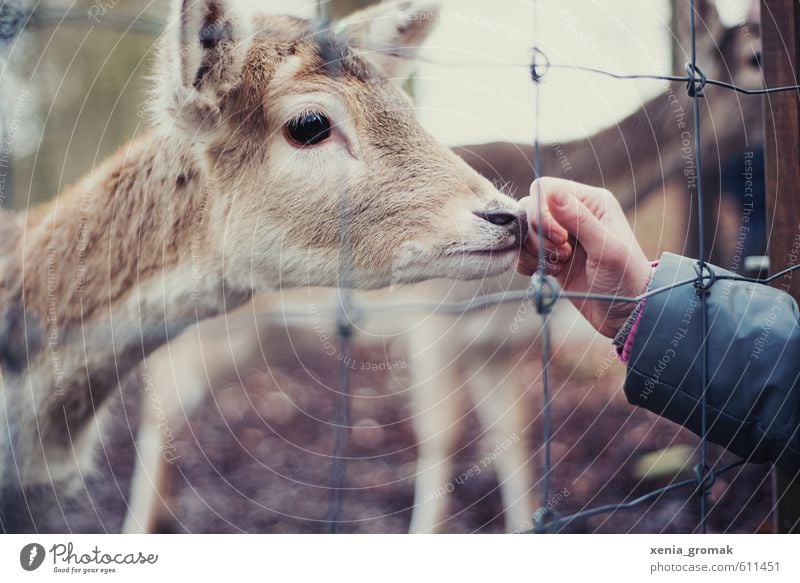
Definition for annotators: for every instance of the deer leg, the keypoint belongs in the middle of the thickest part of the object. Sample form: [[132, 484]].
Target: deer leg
[[176, 379], [438, 407], [438, 427], [166, 402], [502, 407], [149, 485]]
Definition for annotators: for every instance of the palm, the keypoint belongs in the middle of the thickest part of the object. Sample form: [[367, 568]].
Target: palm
[[585, 275], [597, 251]]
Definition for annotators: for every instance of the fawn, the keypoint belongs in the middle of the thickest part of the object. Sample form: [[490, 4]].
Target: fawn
[[276, 143]]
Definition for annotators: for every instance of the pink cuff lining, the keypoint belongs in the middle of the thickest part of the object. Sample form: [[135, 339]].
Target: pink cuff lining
[[625, 353]]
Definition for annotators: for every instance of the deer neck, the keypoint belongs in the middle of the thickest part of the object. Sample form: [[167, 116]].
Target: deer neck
[[112, 269]]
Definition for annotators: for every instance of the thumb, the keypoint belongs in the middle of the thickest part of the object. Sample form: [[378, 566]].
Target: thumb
[[579, 222]]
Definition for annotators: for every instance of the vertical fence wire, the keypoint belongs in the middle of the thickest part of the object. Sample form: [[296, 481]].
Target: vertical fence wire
[[695, 88], [345, 328], [695, 85], [324, 11], [343, 415], [537, 285]]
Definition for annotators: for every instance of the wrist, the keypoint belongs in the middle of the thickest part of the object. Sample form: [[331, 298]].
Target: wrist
[[624, 338], [618, 315], [638, 281]]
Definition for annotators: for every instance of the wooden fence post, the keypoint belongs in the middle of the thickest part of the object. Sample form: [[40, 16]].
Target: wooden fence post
[[780, 32]]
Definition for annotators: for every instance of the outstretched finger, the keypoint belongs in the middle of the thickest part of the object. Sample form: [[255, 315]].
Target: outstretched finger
[[542, 221], [579, 221]]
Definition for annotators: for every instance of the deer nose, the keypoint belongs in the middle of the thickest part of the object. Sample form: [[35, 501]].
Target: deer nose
[[516, 223], [500, 218]]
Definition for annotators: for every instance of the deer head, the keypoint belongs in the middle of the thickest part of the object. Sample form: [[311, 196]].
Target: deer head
[[731, 54], [317, 167]]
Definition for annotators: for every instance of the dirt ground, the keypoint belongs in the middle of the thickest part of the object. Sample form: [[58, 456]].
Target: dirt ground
[[253, 460]]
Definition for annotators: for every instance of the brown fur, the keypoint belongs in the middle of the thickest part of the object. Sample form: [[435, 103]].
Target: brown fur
[[108, 234]]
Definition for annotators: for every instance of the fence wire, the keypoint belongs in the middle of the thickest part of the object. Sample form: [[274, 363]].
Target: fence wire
[[543, 291]]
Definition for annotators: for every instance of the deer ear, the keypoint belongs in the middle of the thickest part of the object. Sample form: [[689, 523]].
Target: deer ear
[[206, 51], [213, 42], [391, 34]]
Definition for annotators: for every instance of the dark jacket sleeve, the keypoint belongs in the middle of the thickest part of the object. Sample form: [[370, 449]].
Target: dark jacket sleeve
[[753, 366]]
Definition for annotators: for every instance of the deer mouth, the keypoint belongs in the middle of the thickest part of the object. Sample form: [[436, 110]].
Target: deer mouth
[[460, 261], [486, 261], [494, 252], [504, 249]]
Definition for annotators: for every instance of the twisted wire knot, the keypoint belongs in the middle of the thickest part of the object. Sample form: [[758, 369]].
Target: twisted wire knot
[[540, 65], [545, 521], [706, 277], [545, 292], [697, 80], [705, 478]]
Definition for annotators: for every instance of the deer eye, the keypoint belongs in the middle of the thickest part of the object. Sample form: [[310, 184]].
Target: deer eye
[[309, 129]]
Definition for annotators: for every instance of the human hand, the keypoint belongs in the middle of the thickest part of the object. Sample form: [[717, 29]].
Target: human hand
[[589, 248]]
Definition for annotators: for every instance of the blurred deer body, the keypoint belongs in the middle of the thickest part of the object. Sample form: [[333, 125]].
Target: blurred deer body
[[275, 144], [455, 362]]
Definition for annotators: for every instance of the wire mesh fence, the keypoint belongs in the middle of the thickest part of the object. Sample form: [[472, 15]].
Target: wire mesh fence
[[543, 293]]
